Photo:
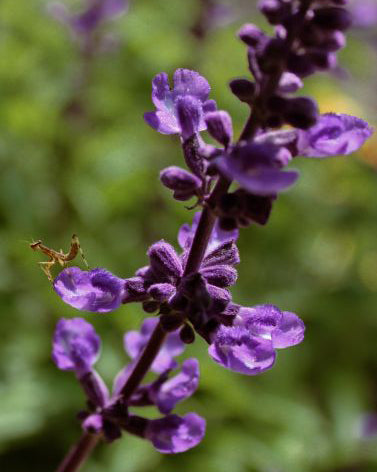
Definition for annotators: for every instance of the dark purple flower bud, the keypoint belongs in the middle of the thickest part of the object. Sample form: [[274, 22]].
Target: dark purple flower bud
[[173, 434], [276, 11], [334, 134], [332, 18], [94, 388], [187, 334], [221, 275], [301, 112], [134, 290], [111, 431], [256, 167], [180, 180], [76, 345], [219, 298], [289, 83], [179, 387], [228, 223], [95, 290], [236, 349], [161, 292], [219, 125], [269, 58], [135, 341], [251, 34], [93, 424], [171, 321], [230, 204], [225, 254], [165, 261], [257, 208], [243, 89], [189, 94], [322, 59], [300, 64]]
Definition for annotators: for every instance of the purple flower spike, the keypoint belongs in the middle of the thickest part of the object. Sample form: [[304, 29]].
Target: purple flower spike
[[75, 346], [174, 433], [179, 110], [135, 341], [176, 389], [256, 167], [236, 349], [95, 290], [334, 134]]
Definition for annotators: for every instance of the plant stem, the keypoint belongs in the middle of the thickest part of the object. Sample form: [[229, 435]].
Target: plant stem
[[78, 453]]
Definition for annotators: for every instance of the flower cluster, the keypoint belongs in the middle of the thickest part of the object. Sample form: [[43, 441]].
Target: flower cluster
[[189, 290], [76, 347]]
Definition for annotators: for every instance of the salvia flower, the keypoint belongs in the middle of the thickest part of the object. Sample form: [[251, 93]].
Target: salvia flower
[[173, 433], [257, 168], [76, 345], [334, 134], [248, 346], [179, 111], [95, 290], [179, 387], [135, 341], [94, 13]]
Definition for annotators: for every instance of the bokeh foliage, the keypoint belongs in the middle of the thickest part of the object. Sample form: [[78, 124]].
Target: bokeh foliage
[[80, 159]]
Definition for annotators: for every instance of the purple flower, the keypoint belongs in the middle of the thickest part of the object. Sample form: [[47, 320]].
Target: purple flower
[[95, 13], [218, 237], [174, 433], [179, 110], [334, 134], [249, 345], [257, 168], [76, 345], [95, 290], [235, 348], [179, 387], [282, 328], [135, 341]]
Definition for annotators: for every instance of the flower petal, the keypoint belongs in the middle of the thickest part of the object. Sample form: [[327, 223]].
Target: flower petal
[[96, 290], [334, 134], [190, 82], [173, 433], [76, 345]]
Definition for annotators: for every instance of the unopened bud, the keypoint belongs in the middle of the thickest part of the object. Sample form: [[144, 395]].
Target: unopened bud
[[219, 125], [243, 89], [187, 334]]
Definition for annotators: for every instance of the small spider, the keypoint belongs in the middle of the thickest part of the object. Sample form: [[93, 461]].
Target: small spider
[[58, 256]]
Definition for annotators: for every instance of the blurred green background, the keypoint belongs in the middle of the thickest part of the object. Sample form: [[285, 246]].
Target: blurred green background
[[82, 161]]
